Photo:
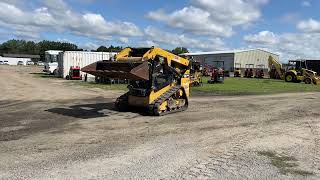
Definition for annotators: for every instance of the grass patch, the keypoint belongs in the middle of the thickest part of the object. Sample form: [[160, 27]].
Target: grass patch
[[121, 87], [285, 164], [245, 86], [44, 75]]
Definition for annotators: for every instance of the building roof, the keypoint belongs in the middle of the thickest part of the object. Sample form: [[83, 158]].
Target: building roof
[[223, 52], [22, 56], [91, 52]]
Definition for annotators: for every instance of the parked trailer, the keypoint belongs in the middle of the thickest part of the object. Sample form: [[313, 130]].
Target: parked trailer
[[14, 61], [80, 59]]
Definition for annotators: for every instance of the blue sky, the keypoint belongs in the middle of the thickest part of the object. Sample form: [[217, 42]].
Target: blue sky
[[290, 28]]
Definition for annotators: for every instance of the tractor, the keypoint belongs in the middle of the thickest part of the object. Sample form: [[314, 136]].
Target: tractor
[[248, 73], [74, 73]]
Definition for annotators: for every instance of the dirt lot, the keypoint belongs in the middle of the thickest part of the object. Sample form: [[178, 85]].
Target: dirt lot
[[51, 130]]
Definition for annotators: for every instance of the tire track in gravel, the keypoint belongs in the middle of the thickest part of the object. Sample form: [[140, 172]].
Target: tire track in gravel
[[224, 163], [215, 165], [316, 137]]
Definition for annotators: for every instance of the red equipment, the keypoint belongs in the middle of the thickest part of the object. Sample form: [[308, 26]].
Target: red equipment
[[248, 73], [217, 70], [74, 73], [207, 70], [259, 71]]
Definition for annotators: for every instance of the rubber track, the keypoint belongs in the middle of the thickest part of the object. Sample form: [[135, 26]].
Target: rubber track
[[153, 108], [123, 99]]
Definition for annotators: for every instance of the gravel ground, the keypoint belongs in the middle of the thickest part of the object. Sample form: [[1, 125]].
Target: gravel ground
[[51, 130]]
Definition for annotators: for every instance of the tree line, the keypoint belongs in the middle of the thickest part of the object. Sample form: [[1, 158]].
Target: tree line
[[35, 48], [39, 48]]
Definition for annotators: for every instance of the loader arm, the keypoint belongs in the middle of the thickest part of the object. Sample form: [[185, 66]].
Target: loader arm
[[276, 71]]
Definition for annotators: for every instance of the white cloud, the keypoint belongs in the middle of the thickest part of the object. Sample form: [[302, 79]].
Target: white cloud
[[289, 45], [207, 17], [311, 26], [124, 40], [148, 43], [58, 17], [263, 37], [291, 17], [306, 3], [27, 35], [192, 19], [65, 40], [90, 46], [173, 40]]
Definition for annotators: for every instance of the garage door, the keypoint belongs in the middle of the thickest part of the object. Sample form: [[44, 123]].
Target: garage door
[[228, 61]]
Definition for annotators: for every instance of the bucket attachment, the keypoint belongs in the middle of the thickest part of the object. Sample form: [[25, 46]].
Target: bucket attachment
[[119, 70]]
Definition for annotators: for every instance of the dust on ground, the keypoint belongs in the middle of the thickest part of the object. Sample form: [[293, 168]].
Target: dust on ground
[[51, 130]]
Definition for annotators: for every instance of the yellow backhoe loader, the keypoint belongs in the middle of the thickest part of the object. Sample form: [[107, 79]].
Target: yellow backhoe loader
[[296, 72], [159, 80]]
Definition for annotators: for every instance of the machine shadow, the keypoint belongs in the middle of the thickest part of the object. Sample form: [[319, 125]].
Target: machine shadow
[[85, 111], [89, 111]]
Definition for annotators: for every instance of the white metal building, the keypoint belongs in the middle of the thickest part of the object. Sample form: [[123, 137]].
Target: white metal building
[[14, 61], [81, 59], [242, 58]]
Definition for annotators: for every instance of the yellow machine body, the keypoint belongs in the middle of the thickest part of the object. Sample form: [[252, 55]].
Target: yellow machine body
[[295, 72], [158, 80]]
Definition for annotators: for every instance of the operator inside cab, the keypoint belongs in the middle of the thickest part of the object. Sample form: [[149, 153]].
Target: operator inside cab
[[161, 76]]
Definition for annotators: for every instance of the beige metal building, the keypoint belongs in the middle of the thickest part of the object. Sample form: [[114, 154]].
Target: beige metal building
[[235, 58]]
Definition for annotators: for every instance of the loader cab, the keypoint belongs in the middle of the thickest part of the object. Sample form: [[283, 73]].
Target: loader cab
[[159, 75], [296, 65]]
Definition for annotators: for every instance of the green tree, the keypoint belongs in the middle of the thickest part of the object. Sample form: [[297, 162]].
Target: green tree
[[102, 49], [179, 50], [109, 49]]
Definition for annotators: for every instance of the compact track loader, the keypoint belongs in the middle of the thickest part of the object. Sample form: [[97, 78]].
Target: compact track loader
[[159, 80]]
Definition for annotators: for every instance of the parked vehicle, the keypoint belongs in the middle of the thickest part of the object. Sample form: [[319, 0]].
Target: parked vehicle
[[248, 73], [40, 63], [20, 63], [51, 68], [1, 62], [259, 72], [237, 71], [218, 72], [6, 62], [74, 73], [30, 63]]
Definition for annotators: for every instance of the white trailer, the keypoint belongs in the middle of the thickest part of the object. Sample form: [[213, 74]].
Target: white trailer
[[51, 56], [13, 61], [80, 59]]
